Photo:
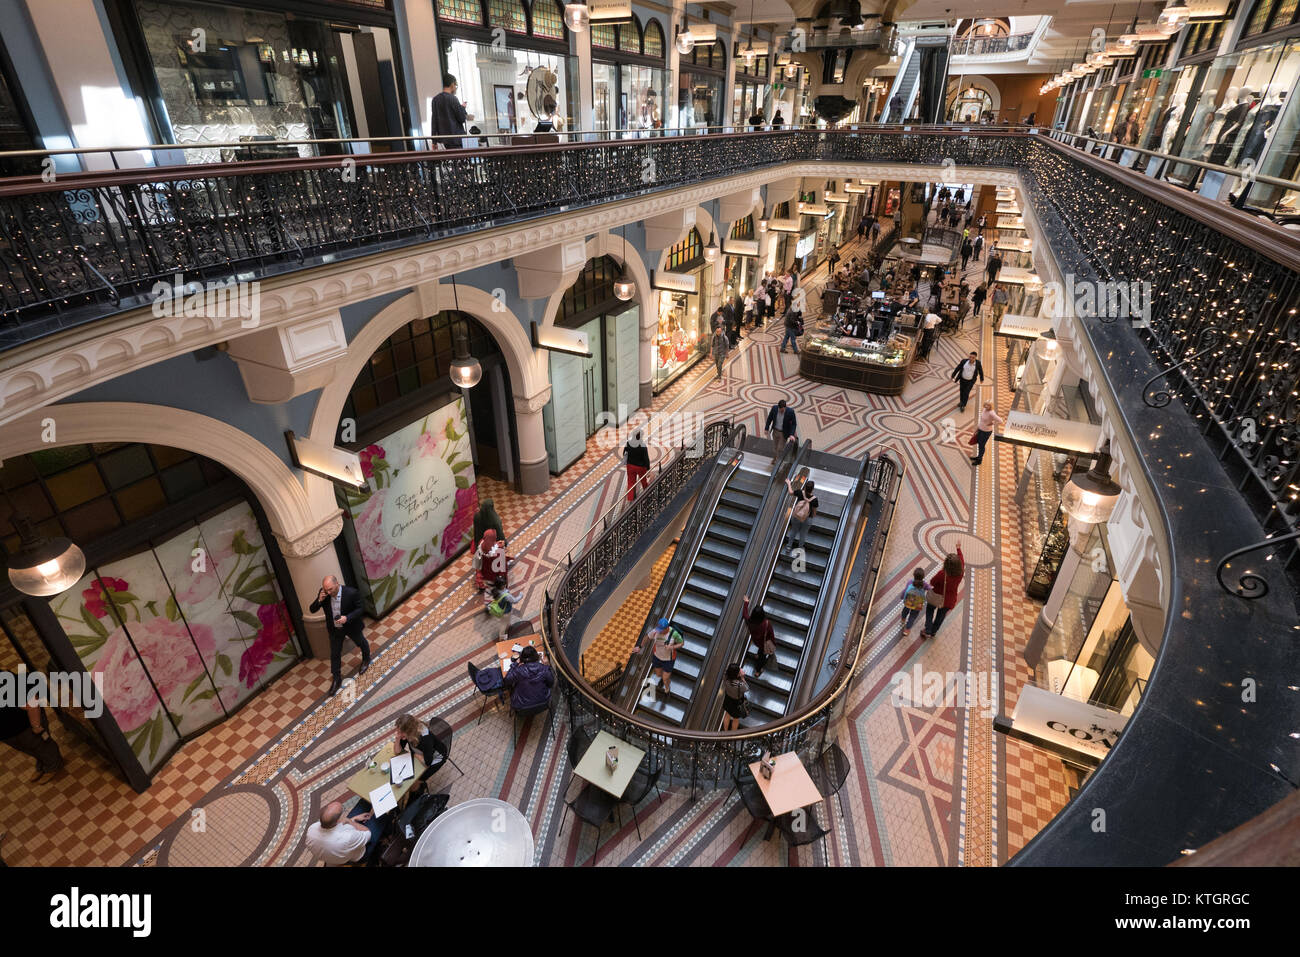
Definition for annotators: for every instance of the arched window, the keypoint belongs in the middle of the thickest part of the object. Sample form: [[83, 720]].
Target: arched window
[[548, 20], [686, 254], [603, 36], [654, 40], [629, 36], [1271, 15], [591, 294], [743, 228], [461, 11], [509, 15], [711, 56]]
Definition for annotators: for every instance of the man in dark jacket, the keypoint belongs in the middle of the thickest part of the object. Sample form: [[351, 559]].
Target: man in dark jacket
[[342, 620], [965, 374], [529, 681], [781, 425], [447, 115]]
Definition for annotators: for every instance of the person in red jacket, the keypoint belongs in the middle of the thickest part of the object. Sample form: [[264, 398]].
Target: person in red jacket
[[948, 584], [761, 636]]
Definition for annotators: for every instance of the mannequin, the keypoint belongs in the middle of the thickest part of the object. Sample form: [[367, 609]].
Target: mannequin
[[1236, 119], [1214, 125], [1262, 126], [1169, 122]]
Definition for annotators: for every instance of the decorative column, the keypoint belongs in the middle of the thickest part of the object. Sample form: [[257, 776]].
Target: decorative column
[[534, 465]]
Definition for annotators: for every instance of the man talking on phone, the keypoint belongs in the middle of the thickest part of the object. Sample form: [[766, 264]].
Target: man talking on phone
[[342, 620]]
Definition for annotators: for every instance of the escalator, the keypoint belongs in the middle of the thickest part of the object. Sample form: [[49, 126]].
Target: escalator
[[905, 84]]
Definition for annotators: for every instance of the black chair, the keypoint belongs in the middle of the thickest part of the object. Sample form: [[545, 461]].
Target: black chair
[[594, 806], [489, 683], [752, 797], [638, 789], [808, 832], [441, 730], [580, 739], [830, 771], [521, 713]]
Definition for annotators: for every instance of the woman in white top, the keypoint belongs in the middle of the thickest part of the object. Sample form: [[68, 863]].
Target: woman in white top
[[988, 419]]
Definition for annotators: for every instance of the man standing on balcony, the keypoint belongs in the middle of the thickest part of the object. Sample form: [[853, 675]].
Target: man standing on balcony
[[447, 116]]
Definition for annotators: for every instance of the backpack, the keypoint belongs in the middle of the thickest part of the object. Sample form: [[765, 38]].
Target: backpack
[[913, 598], [499, 607], [802, 509]]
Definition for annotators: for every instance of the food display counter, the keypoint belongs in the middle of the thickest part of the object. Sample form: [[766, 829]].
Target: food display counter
[[879, 367]]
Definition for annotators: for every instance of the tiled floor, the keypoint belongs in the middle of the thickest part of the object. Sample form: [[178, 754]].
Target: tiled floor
[[929, 784]]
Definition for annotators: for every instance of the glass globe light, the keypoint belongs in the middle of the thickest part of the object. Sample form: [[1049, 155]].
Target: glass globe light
[[685, 42], [44, 566], [576, 16], [1091, 497]]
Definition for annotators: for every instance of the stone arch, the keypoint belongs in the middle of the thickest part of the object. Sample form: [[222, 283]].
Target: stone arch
[[982, 83], [527, 367], [267, 476]]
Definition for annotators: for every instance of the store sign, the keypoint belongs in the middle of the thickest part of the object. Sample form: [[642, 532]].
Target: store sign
[[1152, 74], [1023, 327], [603, 11], [1054, 435], [785, 225], [740, 247], [814, 209], [837, 197], [675, 281], [1064, 723], [703, 32]]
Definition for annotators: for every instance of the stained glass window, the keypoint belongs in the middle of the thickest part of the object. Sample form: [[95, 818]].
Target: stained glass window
[[548, 21], [654, 39], [602, 35], [462, 11], [629, 37]]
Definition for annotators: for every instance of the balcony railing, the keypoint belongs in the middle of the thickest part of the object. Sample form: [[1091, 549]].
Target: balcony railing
[[974, 45]]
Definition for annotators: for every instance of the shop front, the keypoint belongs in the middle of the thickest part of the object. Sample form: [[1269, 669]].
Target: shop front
[[681, 294], [229, 73], [629, 81], [752, 87], [740, 263], [701, 82], [183, 614], [511, 62]]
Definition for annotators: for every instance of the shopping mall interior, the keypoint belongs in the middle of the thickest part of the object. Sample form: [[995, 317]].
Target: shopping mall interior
[[787, 433]]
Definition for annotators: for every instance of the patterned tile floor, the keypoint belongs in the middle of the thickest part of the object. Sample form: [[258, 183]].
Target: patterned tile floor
[[930, 785], [613, 646]]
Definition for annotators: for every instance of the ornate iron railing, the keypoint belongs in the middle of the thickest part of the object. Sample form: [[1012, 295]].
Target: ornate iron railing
[[974, 45], [699, 759]]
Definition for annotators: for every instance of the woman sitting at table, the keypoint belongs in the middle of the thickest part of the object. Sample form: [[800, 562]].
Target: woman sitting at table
[[415, 737], [529, 681]]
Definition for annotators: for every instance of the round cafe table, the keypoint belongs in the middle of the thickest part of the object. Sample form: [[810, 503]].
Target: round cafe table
[[482, 832]]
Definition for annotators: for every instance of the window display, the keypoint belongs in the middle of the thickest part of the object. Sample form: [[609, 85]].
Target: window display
[[539, 82], [681, 338], [891, 353]]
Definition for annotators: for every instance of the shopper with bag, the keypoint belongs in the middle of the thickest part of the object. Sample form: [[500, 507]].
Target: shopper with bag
[[636, 457], [761, 635], [988, 420], [735, 706], [914, 599], [490, 560], [665, 641], [805, 510], [945, 590]]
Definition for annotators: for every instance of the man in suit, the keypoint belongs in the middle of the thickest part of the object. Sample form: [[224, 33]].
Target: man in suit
[[781, 424], [965, 374], [342, 620]]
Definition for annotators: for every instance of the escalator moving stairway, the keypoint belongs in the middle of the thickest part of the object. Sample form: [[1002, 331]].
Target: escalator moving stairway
[[707, 585]]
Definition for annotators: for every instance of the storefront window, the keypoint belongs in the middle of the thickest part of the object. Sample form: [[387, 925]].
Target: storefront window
[[261, 76], [700, 84], [1278, 123], [628, 83], [683, 334]]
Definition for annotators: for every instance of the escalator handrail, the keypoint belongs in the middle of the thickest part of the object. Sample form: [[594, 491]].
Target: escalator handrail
[[711, 679], [629, 691]]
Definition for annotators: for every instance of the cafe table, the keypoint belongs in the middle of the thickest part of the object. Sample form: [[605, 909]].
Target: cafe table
[[481, 832], [592, 768], [506, 652], [367, 779], [789, 788]]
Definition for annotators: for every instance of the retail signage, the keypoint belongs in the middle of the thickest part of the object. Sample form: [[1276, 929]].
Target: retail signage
[[740, 247], [805, 245], [1054, 435], [417, 509], [675, 281], [1064, 724], [837, 197], [1152, 74], [1023, 327], [814, 209], [603, 11], [785, 225], [703, 32]]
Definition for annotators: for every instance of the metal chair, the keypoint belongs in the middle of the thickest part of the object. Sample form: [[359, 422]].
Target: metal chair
[[594, 806], [751, 796], [830, 771], [521, 713], [580, 739], [489, 682], [441, 730], [638, 789], [799, 836]]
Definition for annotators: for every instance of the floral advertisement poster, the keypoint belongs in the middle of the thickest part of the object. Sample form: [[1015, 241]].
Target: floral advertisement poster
[[180, 634], [417, 509]]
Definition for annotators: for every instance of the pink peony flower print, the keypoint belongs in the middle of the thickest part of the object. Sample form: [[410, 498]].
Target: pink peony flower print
[[274, 632], [194, 588], [380, 555], [172, 658], [462, 521], [430, 444], [254, 661], [125, 686], [368, 456], [97, 596]]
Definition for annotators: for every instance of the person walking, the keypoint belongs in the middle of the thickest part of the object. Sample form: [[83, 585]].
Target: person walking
[[914, 599], [805, 510], [862, 229], [1000, 300], [778, 119], [781, 426], [983, 222], [993, 266], [965, 375], [761, 635], [636, 455], [665, 641], [945, 590], [719, 346], [978, 246], [988, 420], [343, 611], [832, 261], [25, 727], [793, 330], [734, 706], [930, 329], [967, 250], [875, 232], [977, 299], [486, 517]]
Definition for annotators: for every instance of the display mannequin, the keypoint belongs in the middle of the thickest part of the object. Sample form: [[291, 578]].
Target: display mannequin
[[1214, 125], [1233, 122], [1169, 122], [1262, 126]]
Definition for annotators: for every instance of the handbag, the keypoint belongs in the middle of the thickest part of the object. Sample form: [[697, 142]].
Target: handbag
[[743, 707], [934, 598], [973, 438]]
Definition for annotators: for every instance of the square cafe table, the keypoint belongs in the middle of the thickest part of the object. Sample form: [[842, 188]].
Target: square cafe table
[[789, 788], [592, 766], [366, 780], [505, 652]]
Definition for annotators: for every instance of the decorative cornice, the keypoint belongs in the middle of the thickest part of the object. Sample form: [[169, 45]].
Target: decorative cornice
[[528, 404], [316, 540]]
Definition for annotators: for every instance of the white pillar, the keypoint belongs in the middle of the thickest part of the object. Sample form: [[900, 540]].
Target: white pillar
[[586, 88], [534, 465], [422, 66]]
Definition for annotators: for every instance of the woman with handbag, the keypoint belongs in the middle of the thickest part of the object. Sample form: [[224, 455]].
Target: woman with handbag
[[734, 704], [805, 510], [761, 635], [945, 590]]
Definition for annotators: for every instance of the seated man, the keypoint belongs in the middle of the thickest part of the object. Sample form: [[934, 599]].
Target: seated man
[[337, 840], [529, 681]]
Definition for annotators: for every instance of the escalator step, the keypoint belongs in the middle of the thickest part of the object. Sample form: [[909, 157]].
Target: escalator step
[[803, 595], [731, 534], [715, 567], [722, 549], [791, 616], [706, 605], [732, 515]]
